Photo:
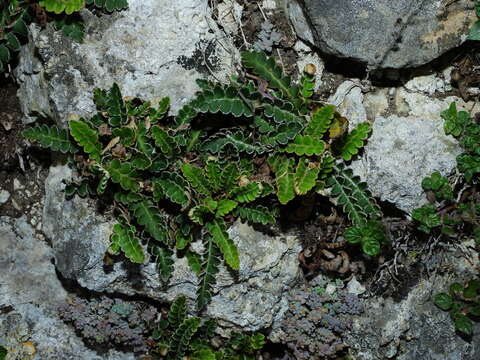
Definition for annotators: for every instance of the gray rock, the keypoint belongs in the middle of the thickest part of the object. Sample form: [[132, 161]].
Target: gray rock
[[29, 285], [4, 196], [383, 33], [414, 328], [155, 48], [250, 299]]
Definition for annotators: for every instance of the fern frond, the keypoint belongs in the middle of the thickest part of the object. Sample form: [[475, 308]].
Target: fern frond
[[306, 176], [353, 195], [62, 6], [306, 145], [213, 171], [266, 68], [182, 240], [127, 198], [284, 177], [163, 140], [199, 213], [307, 85], [175, 188], [112, 103], [218, 230], [86, 137], [178, 311], [320, 121], [161, 111], [281, 115], [237, 140], [225, 207], [185, 115], [149, 217], [247, 193], [256, 214], [282, 135], [123, 174], [164, 261], [123, 237], [182, 337], [224, 100], [126, 135], [196, 177], [207, 275], [263, 126], [354, 141], [51, 137]]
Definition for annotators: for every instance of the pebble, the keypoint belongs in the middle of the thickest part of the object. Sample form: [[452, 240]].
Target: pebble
[[4, 196]]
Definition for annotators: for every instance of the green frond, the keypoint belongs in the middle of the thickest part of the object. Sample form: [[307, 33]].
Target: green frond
[[109, 5], [256, 214], [225, 100], [196, 178], [247, 193], [124, 238], [174, 187], [237, 140], [178, 311], [126, 135], [164, 261], [320, 121], [306, 145], [207, 276], [218, 230], [155, 223], [266, 68], [51, 137], [62, 6], [112, 103], [86, 137], [306, 176], [284, 177], [123, 174], [127, 198], [165, 142], [350, 144], [182, 337], [282, 115], [225, 207]]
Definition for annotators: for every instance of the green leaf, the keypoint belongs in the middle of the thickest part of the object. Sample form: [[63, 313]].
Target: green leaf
[[224, 100], [463, 324], [4, 54], [127, 198], [204, 354], [320, 121], [248, 192], [163, 140], [427, 216], [443, 301], [256, 214], [281, 115], [284, 177], [370, 234], [178, 311], [175, 189], [109, 5], [124, 238], [86, 137], [266, 68], [196, 178], [111, 101], [123, 174], [60, 6], [72, 28], [237, 140], [207, 275], [164, 261], [217, 229], [306, 145], [182, 240], [354, 141], [469, 165], [51, 137], [439, 185], [455, 121], [194, 261], [149, 216], [474, 31], [13, 42], [305, 176], [181, 338], [307, 85], [225, 207]]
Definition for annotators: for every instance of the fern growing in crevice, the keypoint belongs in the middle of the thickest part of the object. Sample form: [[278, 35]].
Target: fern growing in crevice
[[177, 180]]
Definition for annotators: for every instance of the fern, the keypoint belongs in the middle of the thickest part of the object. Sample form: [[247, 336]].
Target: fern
[[237, 140], [218, 230], [320, 121], [86, 137], [148, 216], [354, 141], [225, 207], [306, 176], [51, 137], [62, 6], [284, 177], [178, 311], [352, 195], [281, 115], [207, 275], [127, 198], [181, 338], [163, 140], [174, 187], [247, 193], [196, 178], [224, 100], [124, 238], [164, 261], [266, 68], [109, 5], [306, 145], [258, 214], [123, 174]]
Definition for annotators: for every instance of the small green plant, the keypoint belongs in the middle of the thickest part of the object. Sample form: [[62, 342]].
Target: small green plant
[[178, 335], [475, 29], [13, 28], [463, 303], [238, 150]]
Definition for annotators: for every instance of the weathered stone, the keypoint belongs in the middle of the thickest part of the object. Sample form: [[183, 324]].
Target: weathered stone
[[155, 48], [249, 299], [31, 329], [383, 33]]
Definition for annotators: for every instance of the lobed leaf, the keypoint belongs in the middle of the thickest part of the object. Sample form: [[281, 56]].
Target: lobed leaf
[[124, 238], [306, 145], [60, 6], [224, 100], [320, 121], [163, 140], [196, 178], [354, 141], [217, 229], [306, 176], [51, 137], [256, 214], [247, 193], [149, 216], [207, 275], [284, 177], [123, 174], [86, 137]]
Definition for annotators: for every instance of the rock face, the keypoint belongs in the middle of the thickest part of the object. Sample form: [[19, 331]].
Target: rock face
[[414, 328], [383, 33], [250, 299], [30, 328], [155, 48]]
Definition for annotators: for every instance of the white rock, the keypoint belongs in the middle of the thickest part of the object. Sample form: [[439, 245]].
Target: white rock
[[354, 287], [4, 196]]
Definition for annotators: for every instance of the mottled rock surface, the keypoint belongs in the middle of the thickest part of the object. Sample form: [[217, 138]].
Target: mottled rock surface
[[29, 288], [155, 48], [250, 299], [383, 33]]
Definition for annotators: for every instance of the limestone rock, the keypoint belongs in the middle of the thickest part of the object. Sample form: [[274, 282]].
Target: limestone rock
[[155, 48], [383, 33]]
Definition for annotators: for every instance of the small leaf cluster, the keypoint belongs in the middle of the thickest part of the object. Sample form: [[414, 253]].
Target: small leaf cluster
[[14, 16], [475, 29], [462, 301], [178, 335], [450, 213], [237, 150]]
